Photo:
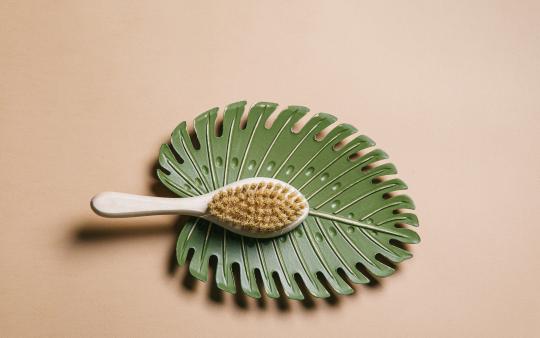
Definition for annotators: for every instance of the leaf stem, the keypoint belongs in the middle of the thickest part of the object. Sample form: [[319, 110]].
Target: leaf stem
[[354, 222]]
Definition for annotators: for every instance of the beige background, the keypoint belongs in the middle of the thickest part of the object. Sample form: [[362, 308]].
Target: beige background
[[90, 89]]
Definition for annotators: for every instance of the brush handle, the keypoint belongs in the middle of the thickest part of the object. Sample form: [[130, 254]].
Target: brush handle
[[118, 204]]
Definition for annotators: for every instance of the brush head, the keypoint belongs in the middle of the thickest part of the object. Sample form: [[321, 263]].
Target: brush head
[[264, 208]]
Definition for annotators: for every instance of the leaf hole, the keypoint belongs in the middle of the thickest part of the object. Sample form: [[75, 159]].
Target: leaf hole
[[308, 302], [341, 273], [282, 301], [373, 281], [271, 119], [188, 281], [243, 120], [239, 296], [354, 156], [344, 142], [383, 259], [366, 168], [333, 299], [218, 126], [387, 196], [214, 292], [402, 225], [301, 123], [399, 244], [376, 181], [321, 135], [190, 253], [165, 171], [359, 150], [176, 156], [261, 302], [194, 139], [339, 145]]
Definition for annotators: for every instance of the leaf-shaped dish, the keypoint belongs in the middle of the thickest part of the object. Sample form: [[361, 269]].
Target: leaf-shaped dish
[[362, 221]]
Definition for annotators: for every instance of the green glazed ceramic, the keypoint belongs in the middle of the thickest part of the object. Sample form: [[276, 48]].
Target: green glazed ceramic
[[355, 221]]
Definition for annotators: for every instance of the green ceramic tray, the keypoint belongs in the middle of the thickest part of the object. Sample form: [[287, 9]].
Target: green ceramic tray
[[367, 229]]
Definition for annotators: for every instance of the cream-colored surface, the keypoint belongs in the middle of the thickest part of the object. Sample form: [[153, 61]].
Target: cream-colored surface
[[90, 89]]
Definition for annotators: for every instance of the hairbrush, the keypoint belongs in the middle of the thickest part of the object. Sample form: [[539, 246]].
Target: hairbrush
[[284, 204]]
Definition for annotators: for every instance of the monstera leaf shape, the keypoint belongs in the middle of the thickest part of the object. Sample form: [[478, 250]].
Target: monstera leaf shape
[[355, 223]]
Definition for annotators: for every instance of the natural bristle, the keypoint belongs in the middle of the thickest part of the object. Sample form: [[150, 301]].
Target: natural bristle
[[257, 207]]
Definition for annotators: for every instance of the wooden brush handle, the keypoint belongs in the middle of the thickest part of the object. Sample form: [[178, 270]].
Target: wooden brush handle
[[118, 204]]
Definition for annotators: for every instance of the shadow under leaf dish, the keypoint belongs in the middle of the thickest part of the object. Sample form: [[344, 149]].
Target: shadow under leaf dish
[[353, 218]]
